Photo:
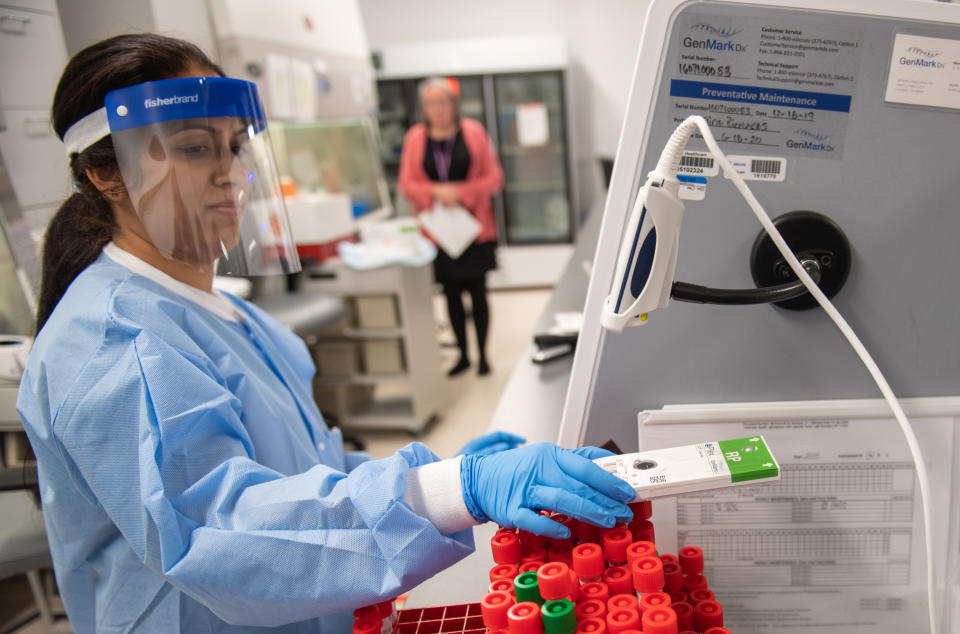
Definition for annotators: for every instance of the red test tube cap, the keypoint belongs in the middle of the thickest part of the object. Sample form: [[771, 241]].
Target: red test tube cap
[[717, 630], [694, 582], [679, 597], [654, 600], [386, 608], [647, 574], [591, 626], [367, 613], [620, 621], [366, 626], [530, 566], [524, 618], [642, 531], [556, 581], [707, 614], [618, 580], [506, 548], [622, 602], [504, 571], [636, 550], [672, 577], [494, 607], [684, 612], [668, 558], [501, 585], [700, 595], [538, 553], [530, 540], [567, 521], [642, 510], [615, 543], [591, 609], [560, 552], [586, 533], [691, 560], [660, 620], [588, 561], [595, 590]]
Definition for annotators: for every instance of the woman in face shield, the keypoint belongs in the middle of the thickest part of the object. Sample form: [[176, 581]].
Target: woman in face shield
[[187, 478]]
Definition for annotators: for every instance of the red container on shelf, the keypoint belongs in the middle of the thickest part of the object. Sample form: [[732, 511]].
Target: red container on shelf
[[618, 580], [707, 614]]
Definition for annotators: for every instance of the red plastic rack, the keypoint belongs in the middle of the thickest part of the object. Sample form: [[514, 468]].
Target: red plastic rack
[[461, 619]]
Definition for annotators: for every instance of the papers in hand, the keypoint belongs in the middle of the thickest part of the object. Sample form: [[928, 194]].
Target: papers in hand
[[453, 228]]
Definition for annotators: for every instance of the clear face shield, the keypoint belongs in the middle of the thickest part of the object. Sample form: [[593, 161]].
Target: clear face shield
[[197, 164]]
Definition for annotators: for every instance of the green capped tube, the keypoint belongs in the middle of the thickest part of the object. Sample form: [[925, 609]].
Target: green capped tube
[[526, 588], [559, 617]]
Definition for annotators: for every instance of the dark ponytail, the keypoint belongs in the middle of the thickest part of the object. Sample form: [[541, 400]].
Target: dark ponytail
[[85, 223]]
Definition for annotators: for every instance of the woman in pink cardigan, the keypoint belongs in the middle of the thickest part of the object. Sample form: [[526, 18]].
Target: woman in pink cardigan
[[451, 160]]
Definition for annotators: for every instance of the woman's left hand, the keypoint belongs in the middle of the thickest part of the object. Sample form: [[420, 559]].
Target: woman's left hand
[[491, 443], [446, 194]]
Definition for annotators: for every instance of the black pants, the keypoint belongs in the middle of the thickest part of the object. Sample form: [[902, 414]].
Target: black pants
[[453, 290]]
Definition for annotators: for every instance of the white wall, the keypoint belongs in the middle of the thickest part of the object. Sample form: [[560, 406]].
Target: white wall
[[602, 38]]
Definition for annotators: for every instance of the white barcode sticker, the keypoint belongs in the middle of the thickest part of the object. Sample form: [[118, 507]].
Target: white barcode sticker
[[760, 168], [698, 164]]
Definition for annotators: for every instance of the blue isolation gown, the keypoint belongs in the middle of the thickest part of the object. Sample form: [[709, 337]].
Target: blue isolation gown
[[188, 480]]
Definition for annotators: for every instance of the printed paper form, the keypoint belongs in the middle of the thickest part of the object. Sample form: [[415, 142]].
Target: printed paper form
[[837, 544]]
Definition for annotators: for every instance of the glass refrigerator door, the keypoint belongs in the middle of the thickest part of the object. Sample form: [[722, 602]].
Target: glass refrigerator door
[[533, 151]]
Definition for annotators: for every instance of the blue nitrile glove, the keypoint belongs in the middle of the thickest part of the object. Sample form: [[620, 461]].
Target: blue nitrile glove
[[510, 488], [491, 443]]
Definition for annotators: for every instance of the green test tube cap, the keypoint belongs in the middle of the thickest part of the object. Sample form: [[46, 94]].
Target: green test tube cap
[[526, 588], [559, 617]]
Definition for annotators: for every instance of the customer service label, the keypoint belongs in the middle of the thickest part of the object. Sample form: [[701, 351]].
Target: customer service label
[[924, 71], [782, 86]]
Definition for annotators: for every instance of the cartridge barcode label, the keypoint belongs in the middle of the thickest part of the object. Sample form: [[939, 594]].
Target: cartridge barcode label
[[696, 163], [765, 166], [760, 168]]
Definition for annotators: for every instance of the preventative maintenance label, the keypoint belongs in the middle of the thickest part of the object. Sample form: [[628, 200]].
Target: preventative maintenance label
[[782, 87], [692, 468]]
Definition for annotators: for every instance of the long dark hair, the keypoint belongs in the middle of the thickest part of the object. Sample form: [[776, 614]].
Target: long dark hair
[[85, 223]]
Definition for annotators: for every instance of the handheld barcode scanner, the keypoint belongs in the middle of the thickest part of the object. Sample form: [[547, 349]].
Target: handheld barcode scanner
[[647, 260]]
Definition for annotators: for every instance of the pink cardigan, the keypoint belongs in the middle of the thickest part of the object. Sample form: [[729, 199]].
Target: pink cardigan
[[484, 178]]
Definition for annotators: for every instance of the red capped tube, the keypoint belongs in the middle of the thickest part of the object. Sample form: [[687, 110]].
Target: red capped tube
[[615, 543], [642, 531], [567, 521], [506, 548], [530, 566], [595, 590], [684, 612], [586, 533], [707, 614], [717, 630], [672, 577], [386, 611], [588, 562], [642, 510], [504, 571], [700, 595], [636, 550], [654, 600], [647, 574], [530, 540], [366, 626], [560, 552], [367, 613], [494, 607], [691, 560], [501, 585], [591, 626], [660, 621], [620, 621], [591, 609], [538, 553], [694, 582], [679, 597], [622, 602], [524, 618], [556, 581], [618, 580]]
